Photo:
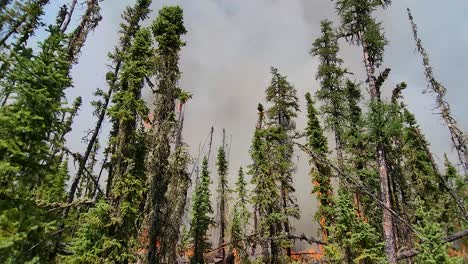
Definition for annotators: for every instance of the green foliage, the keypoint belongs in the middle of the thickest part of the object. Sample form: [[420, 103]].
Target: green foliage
[[201, 211], [330, 74], [282, 96], [272, 167], [432, 249], [352, 240], [358, 26], [94, 241], [27, 171], [222, 165], [168, 27], [127, 190], [223, 192], [321, 172], [450, 211], [240, 218], [418, 165]]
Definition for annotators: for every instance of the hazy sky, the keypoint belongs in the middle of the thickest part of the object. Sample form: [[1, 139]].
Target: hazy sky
[[232, 44]]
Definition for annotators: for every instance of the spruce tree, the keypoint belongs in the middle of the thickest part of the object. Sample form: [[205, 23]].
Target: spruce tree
[[281, 96], [419, 170], [321, 173], [177, 198], [201, 211], [432, 249], [18, 24], [26, 170], [223, 191], [240, 218], [89, 22], [359, 153], [119, 237], [352, 240], [22, 20], [331, 92], [450, 211], [168, 29], [266, 194], [361, 28], [254, 169], [132, 17]]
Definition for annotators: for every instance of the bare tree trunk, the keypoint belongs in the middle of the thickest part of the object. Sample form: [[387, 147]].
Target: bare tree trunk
[[459, 139], [69, 16], [385, 196]]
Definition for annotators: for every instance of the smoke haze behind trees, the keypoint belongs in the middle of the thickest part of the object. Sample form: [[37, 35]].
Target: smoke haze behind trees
[[232, 44]]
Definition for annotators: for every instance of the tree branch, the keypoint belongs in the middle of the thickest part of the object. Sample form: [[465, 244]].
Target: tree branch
[[413, 252]]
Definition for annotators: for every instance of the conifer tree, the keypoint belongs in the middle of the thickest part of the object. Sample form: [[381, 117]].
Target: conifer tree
[[257, 157], [132, 17], [281, 128], [352, 240], [432, 249], [331, 92], [201, 211], [266, 195], [18, 24], [168, 29], [321, 173], [450, 211], [240, 218], [119, 236], [23, 19], [177, 190], [223, 191], [357, 148], [89, 22], [177, 199], [26, 170], [419, 169], [361, 28]]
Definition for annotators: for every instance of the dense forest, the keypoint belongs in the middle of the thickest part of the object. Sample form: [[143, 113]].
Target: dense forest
[[141, 196]]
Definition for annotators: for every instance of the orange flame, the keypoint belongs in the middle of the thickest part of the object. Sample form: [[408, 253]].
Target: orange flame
[[307, 255]]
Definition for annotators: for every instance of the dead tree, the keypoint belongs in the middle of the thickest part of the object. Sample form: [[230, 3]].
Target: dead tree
[[458, 137]]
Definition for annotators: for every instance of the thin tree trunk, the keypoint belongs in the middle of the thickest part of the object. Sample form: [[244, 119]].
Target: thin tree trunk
[[387, 221], [69, 16], [458, 137], [89, 148], [222, 209]]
